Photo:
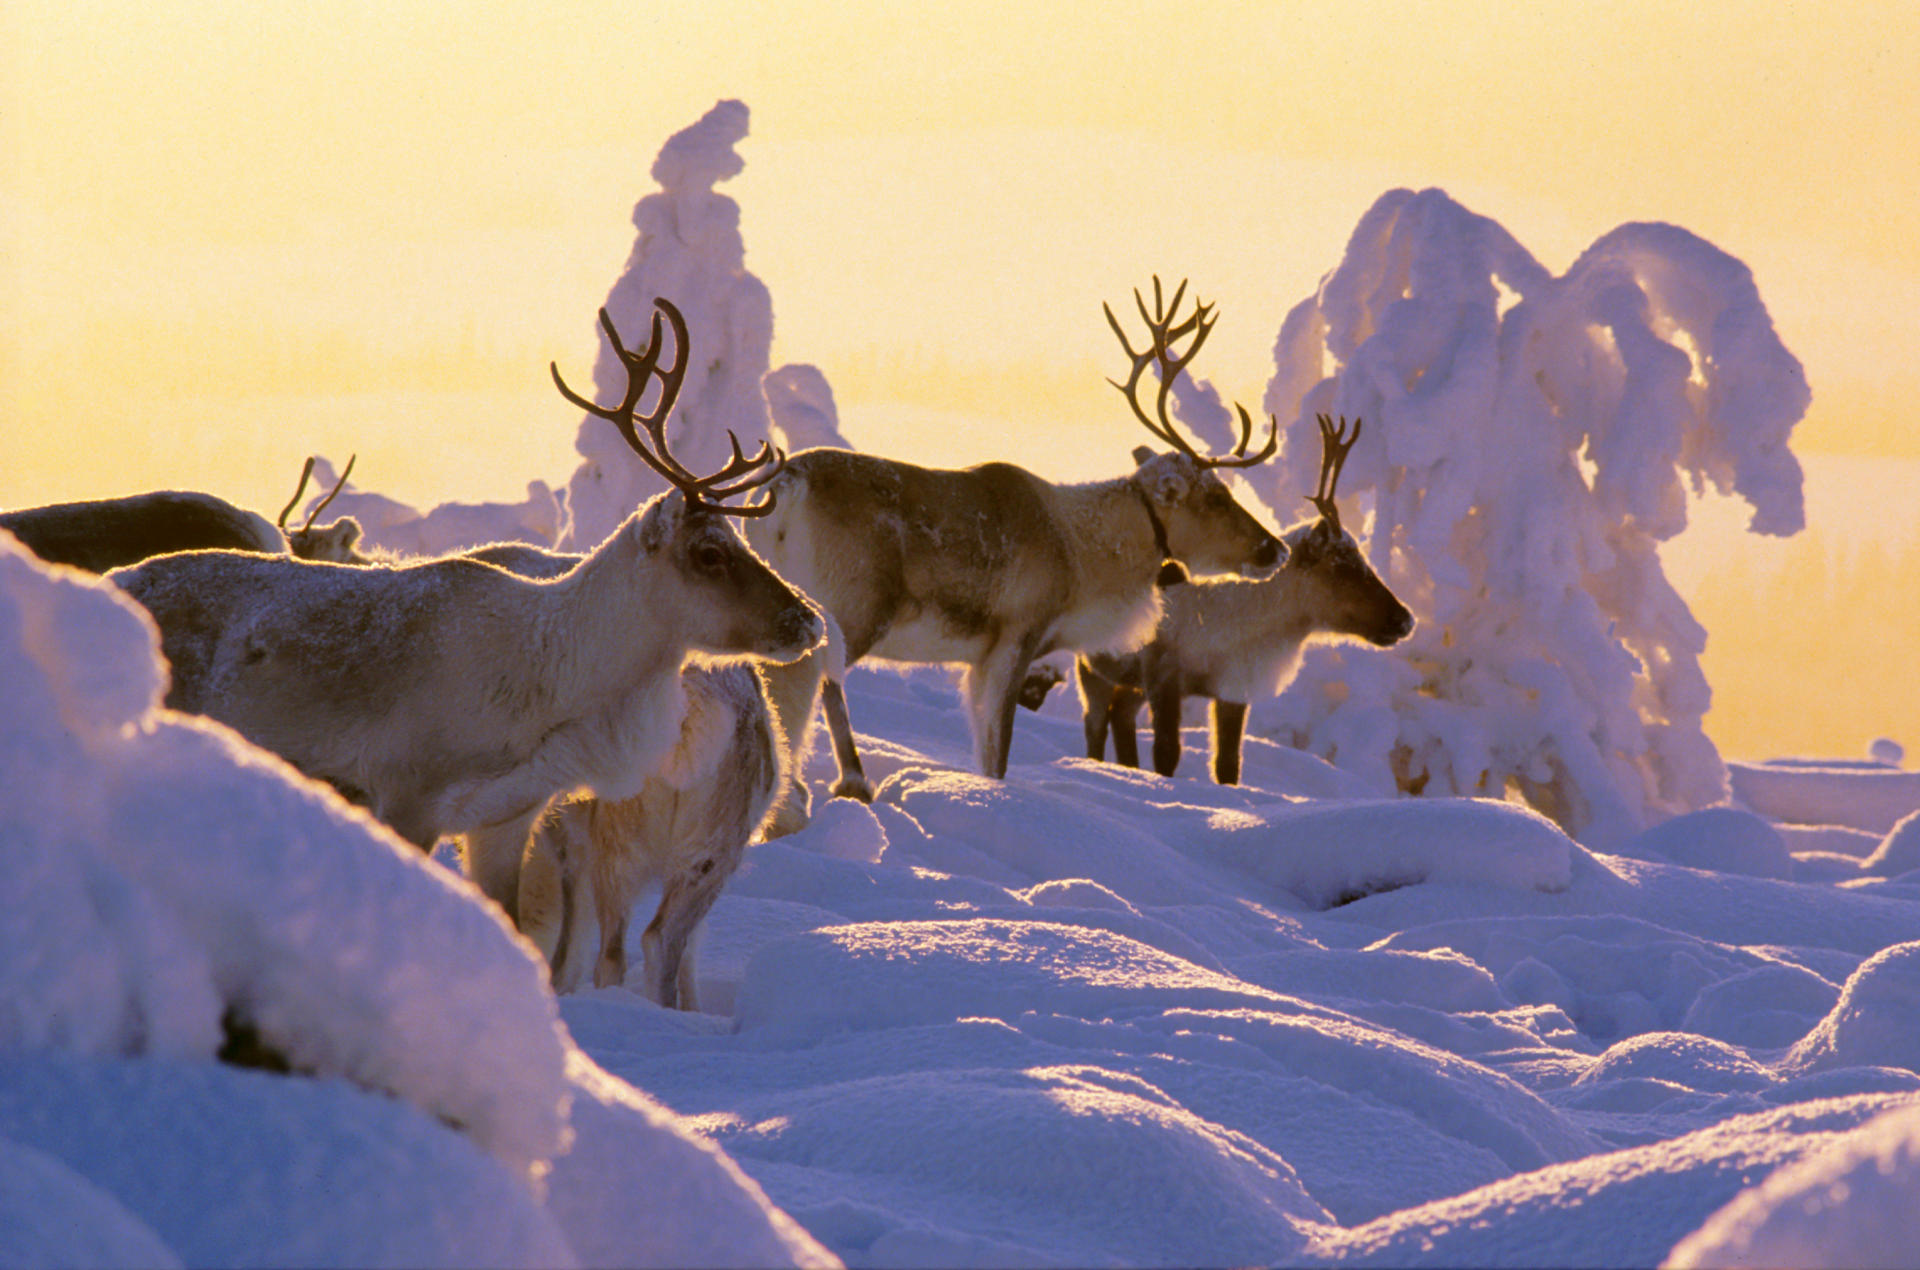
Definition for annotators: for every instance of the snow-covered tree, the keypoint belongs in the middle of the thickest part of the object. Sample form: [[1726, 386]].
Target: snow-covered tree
[[690, 251], [1527, 438]]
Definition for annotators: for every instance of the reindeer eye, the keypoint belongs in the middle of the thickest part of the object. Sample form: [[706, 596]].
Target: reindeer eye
[[710, 557]]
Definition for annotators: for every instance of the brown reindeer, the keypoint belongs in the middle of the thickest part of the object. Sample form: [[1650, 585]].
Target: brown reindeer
[[1238, 640], [991, 567], [109, 533]]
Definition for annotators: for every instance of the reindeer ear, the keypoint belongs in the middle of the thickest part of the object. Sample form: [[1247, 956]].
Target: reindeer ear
[[1172, 573], [1141, 453], [346, 532], [656, 520]]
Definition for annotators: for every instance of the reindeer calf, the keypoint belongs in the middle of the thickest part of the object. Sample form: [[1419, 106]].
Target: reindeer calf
[[728, 781]]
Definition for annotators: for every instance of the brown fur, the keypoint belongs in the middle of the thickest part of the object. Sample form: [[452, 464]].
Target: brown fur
[[990, 567]]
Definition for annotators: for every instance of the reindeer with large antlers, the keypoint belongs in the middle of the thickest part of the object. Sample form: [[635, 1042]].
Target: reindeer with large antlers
[[992, 566], [452, 695], [1238, 640]]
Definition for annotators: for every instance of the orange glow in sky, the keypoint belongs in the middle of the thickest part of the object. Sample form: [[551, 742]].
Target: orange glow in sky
[[232, 233]]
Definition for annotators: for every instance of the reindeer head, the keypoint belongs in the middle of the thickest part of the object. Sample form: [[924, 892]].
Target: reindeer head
[[1349, 597], [1194, 514], [334, 542], [724, 597]]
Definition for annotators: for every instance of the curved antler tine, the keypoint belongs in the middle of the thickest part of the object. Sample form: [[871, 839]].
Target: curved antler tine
[[1241, 458], [333, 493], [298, 490], [1173, 305]]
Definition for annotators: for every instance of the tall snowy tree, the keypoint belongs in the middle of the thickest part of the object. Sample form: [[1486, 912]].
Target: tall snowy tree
[[690, 251], [1526, 446]]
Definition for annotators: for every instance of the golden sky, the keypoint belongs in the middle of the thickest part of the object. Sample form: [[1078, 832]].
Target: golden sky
[[234, 231]]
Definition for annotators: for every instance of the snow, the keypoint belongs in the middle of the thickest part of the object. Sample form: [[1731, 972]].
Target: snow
[[1087, 1015], [1529, 441], [176, 897]]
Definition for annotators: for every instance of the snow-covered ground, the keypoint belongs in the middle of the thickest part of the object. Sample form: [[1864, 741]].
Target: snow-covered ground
[[1087, 1016]]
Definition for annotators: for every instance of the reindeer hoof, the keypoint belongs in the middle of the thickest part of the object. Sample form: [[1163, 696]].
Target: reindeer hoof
[[854, 787]]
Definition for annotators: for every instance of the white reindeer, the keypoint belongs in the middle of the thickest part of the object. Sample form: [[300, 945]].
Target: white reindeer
[[992, 566], [108, 533], [1238, 640], [451, 695]]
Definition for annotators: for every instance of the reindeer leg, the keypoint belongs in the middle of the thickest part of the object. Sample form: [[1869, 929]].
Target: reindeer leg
[[684, 903], [1229, 722], [853, 779], [1124, 713], [493, 854], [1164, 702], [568, 855], [993, 692], [1096, 694]]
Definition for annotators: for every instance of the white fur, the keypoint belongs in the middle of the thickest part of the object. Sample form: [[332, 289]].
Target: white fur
[[729, 778], [453, 695]]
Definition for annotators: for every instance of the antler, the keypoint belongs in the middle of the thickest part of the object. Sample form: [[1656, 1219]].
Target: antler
[[1165, 332], [743, 471], [1335, 441], [301, 488]]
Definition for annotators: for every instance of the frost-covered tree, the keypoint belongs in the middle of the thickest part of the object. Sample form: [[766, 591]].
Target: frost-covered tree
[[1526, 446], [689, 250]]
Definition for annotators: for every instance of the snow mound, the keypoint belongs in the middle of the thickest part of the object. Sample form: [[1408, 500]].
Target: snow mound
[[1850, 1205], [1859, 796], [173, 884], [1876, 1022], [1723, 839], [1621, 1208], [1679, 1058], [1329, 854], [638, 1189], [1053, 1150], [388, 525], [55, 1219], [899, 974], [229, 1167], [1899, 851]]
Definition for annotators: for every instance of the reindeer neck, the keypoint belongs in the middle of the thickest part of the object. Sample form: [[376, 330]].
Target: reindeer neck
[[603, 627], [1114, 532]]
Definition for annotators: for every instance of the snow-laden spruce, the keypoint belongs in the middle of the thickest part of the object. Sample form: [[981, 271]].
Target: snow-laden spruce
[[1528, 440], [689, 248]]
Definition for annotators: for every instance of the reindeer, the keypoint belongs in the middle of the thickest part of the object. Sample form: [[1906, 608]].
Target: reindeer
[[992, 566], [108, 533], [1237, 640], [337, 541], [686, 830], [451, 695], [720, 786]]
